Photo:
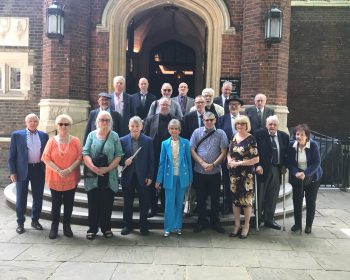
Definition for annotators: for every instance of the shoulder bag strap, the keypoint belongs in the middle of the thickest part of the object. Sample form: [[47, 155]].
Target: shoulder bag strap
[[205, 137]]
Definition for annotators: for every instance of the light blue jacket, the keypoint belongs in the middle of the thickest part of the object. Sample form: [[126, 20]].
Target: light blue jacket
[[165, 171]]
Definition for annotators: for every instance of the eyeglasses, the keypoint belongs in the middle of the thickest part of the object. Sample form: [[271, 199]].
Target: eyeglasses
[[199, 102], [64, 124], [103, 120], [209, 120], [167, 89]]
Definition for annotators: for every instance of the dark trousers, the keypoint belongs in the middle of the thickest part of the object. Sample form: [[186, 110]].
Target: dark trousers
[[268, 190], [155, 195], [227, 202], [207, 185], [100, 204], [36, 177], [129, 195], [310, 197], [59, 197]]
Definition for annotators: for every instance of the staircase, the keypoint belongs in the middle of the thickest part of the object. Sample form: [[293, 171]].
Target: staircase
[[80, 210]]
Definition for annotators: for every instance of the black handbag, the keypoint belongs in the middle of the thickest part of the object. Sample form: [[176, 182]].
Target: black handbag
[[100, 160]]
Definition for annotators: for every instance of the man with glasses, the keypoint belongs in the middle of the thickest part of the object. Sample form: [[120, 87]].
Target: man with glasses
[[185, 102], [217, 110], [208, 149], [104, 102], [227, 124], [24, 161], [166, 92], [193, 119]]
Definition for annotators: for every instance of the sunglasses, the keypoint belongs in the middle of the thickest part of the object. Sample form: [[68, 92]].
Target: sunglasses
[[166, 89], [64, 124], [103, 120], [209, 120]]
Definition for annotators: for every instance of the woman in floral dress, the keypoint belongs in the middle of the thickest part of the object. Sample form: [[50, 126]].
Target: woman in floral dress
[[242, 156]]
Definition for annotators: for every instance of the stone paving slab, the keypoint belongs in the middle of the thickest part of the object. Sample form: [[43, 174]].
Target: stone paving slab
[[229, 257], [329, 275], [147, 271], [129, 254], [84, 270], [10, 251], [278, 274], [332, 261], [222, 273], [286, 259], [178, 256], [312, 245], [28, 270]]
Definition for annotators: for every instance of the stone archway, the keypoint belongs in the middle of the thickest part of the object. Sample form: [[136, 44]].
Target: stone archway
[[118, 13]]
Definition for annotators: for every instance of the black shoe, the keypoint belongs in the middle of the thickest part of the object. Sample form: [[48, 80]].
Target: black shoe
[[273, 225], [53, 232], [218, 228], [198, 228], [295, 228], [125, 231], [67, 231], [308, 229], [144, 231], [233, 234], [36, 225], [20, 229]]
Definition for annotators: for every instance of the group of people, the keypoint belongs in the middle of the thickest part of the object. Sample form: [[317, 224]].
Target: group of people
[[164, 147]]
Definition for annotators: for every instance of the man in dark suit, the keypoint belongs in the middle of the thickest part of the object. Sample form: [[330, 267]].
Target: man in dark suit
[[185, 102], [156, 126], [24, 161], [142, 100], [272, 148], [227, 124], [226, 90], [121, 103], [258, 114], [104, 101], [194, 119], [136, 174]]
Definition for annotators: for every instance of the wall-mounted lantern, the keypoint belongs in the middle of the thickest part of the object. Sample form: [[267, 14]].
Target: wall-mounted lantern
[[55, 21], [273, 26]]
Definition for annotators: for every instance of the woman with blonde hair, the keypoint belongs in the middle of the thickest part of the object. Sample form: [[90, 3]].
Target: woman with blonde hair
[[62, 156]]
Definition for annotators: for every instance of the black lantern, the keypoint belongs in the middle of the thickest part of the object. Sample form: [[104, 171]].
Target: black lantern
[[55, 21], [273, 26]]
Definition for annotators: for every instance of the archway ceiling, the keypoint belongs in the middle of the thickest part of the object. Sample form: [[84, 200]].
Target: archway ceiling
[[160, 21]]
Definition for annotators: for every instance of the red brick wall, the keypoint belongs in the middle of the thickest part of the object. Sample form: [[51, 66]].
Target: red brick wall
[[319, 69]]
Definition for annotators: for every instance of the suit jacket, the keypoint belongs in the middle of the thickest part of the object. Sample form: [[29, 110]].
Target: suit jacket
[[91, 123], [138, 109], [165, 171], [313, 160], [218, 100], [143, 164], [175, 109], [127, 112], [255, 122], [263, 141], [224, 123], [189, 124], [189, 103], [18, 153]]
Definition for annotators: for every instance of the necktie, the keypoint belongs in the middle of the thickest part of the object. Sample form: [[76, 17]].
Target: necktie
[[201, 120], [143, 100], [260, 118], [274, 159]]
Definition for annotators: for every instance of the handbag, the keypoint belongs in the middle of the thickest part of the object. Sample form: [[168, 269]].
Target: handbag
[[100, 160], [189, 202]]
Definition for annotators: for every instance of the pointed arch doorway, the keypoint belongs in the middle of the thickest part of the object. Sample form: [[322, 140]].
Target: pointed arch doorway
[[207, 21]]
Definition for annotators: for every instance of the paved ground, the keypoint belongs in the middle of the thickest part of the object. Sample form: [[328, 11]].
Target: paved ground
[[268, 254]]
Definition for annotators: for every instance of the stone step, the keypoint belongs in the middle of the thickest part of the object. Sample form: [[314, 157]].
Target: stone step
[[80, 213]]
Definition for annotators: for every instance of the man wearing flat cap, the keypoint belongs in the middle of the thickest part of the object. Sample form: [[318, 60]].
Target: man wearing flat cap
[[104, 102], [227, 124]]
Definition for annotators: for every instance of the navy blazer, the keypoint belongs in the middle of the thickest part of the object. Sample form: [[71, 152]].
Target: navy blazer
[[91, 123], [143, 163], [138, 109], [165, 171], [313, 160], [18, 153], [189, 124], [263, 141], [218, 100], [224, 123], [255, 122], [127, 112]]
